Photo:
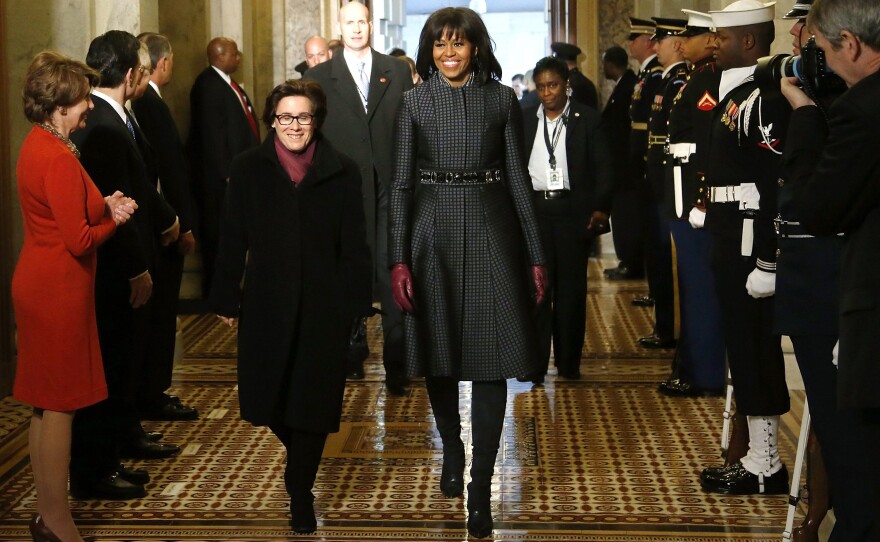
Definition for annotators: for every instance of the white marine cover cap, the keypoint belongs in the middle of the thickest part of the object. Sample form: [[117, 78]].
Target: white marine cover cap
[[743, 13]]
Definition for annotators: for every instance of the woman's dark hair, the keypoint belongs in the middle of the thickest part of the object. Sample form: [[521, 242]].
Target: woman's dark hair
[[308, 88], [551, 64], [458, 23], [112, 55], [53, 81]]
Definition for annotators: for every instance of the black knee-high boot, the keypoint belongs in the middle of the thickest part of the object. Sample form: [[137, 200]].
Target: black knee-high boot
[[488, 402], [304, 451], [443, 393]]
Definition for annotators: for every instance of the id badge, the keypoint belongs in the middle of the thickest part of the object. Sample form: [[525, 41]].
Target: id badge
[[555, 179]]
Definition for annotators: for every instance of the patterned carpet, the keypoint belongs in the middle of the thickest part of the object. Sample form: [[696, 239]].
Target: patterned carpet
[[601, 459]]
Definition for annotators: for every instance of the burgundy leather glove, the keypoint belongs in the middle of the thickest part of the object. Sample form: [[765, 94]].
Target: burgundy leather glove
[[402, 287], [539, 276]]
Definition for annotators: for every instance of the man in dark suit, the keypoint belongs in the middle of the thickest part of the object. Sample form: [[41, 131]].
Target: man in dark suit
[[223, 125], [582, 89], [616, 126], [154, 119], [364, 89], [571, 174], [834, 173], [123, 282]]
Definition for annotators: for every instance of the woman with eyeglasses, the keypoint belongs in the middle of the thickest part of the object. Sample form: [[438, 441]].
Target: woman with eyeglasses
[[294, 269]]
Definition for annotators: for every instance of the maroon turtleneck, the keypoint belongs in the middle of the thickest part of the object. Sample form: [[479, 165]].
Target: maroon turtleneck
[[295, 164]]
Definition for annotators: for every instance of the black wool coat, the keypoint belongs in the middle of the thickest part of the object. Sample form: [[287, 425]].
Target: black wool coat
[[366, 136], [616, 125], [302, 253], [841, 193]]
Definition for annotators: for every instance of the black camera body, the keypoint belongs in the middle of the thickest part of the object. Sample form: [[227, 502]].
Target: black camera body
[[809, 67]]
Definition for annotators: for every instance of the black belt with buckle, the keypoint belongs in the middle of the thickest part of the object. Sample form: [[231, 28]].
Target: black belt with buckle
[[554, 194], [488, 176]]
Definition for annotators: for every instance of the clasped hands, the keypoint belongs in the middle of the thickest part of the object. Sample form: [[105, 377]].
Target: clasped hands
[[402, 286], [121, 207]]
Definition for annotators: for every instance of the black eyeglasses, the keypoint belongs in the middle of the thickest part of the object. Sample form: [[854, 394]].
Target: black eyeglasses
[[286, 120]]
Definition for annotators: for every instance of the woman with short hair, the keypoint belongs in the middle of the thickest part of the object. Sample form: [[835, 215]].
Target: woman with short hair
[[294, 232], [65, 219]]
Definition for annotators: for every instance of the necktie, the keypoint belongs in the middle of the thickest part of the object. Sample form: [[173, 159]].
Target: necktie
[[130, 126], [247, 110], [364, 83]]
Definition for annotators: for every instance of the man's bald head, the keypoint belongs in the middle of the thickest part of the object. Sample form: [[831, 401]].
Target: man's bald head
[[317, 51], [355, 27], [223, 54]]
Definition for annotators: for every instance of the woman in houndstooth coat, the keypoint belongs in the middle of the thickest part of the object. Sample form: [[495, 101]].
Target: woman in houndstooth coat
[[463, 236]]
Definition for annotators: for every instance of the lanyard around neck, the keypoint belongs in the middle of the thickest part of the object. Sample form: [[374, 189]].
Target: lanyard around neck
[[561, 121]]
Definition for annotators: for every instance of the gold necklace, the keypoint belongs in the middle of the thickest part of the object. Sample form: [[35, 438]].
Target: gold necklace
[[70, 144]]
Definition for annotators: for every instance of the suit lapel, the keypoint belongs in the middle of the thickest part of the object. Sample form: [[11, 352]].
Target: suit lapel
[[380, 78], [117, 121], [345, 84]]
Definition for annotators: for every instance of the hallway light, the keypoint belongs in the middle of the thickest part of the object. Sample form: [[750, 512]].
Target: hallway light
[[479, 6]]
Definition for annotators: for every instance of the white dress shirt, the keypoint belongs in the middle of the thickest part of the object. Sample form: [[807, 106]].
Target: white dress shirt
[[539, 161]]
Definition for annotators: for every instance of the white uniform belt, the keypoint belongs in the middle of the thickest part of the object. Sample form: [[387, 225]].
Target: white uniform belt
[[724, 194], [681, 150]]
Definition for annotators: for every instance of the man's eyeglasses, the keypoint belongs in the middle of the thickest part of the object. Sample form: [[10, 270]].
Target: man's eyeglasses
[[286, 120]]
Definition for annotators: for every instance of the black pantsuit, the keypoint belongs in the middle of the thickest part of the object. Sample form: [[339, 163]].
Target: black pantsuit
[[563, 315], [564, 235]]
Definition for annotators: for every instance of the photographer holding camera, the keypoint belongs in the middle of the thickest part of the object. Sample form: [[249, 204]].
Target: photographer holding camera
[[834, 187]]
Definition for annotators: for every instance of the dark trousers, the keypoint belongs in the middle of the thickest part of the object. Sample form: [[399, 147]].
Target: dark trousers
[[393, 357], [754, 352], [844, 438], [658, 260], [304, 451], [488, 403], [100, 429], [626, 217], [210, 200], [158, 362], [562, 317], [700, 343]]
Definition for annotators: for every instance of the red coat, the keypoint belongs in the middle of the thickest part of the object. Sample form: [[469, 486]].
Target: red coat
[[53, 288]]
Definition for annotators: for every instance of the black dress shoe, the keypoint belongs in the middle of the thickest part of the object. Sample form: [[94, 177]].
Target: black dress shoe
[[536, 378], [154, 436], [479, 522], [397, 386], [643, 301], [111, 487], [134, 476], [624, 273], [653, 341], [355, 371], [736, 480], [452, 478], [711, 472], [677, 387], [569, 375], [143, 448], [302, 515], [612, 270], [169, 409]]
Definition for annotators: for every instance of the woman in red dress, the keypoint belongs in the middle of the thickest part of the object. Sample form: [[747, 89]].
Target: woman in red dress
[[65, 220]]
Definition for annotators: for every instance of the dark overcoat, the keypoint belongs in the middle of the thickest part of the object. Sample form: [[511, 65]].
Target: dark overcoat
[[302, 253], [468, 246], [366, 136], [842, 194]]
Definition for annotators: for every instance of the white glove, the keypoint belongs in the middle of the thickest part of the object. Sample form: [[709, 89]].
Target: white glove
[[835, 352], [761, 284], [696, 218]]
